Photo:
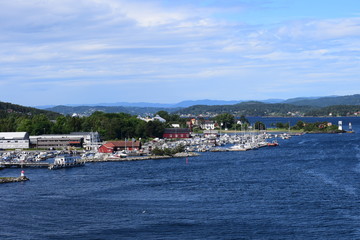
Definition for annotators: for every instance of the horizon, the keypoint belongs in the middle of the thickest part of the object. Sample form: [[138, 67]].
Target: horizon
[[160, 51]]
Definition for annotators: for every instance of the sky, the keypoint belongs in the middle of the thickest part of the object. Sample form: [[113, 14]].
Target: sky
[[55, 52]]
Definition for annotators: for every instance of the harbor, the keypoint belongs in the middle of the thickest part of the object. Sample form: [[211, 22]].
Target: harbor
[[191, 147]]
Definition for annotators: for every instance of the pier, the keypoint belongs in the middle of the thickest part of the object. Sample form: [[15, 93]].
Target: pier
[[141, 158], [25, 164]]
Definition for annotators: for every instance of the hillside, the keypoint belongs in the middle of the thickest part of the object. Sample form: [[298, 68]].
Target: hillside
[[7, 109], [248, 109], [326, 101]]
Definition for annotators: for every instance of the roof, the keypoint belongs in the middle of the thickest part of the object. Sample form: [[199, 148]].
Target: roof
[[56, 136], [177, 130], [83, 133], [112, 144], [14, 135]]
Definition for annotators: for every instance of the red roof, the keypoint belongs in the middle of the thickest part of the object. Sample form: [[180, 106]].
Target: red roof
[[122, 144]]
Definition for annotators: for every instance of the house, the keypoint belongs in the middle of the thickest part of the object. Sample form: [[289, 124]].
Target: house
[[176, 133], [114, 146], [208, 125], [14, 140]]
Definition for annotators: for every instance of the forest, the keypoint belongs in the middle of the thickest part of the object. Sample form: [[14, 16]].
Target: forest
[[111, 126], [260, 109]]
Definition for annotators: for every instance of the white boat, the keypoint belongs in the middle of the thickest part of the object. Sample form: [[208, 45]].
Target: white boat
[[66, 161]]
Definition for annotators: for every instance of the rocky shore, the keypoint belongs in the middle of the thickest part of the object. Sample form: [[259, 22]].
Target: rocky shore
[[13, 179]]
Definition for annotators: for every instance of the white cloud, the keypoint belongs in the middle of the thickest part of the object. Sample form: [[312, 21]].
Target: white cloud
[[86, 43], [321, 29]]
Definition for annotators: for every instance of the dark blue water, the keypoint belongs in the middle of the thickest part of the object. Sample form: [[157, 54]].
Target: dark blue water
[[307, 188]]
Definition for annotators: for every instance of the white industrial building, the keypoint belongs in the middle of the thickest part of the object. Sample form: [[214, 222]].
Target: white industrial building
[[91, 139], [87, 140], [14, 140]]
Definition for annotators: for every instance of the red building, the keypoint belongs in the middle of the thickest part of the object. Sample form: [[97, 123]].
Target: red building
[[176, 133], [115, 146]]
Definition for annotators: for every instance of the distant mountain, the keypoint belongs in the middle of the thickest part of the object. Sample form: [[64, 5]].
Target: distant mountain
[[326, 101], [151, 108], [182, 104], [88, 110], [7, 109], [298, 99]]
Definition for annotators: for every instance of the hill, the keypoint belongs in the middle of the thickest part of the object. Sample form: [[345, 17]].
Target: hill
[[251, 108], [326, 101], [8, 109]]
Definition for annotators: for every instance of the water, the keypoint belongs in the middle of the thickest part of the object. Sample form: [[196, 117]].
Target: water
[[307, 188]]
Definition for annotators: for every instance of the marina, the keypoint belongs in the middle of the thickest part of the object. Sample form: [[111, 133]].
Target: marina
[[191, 147]]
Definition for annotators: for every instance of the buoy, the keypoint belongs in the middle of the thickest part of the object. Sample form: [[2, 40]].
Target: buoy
[[23, 173]]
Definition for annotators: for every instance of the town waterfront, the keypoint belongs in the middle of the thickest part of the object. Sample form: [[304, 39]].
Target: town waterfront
[[307, 188]]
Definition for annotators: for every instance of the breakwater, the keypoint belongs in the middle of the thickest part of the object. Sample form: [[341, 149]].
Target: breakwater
[[141, 158], [13, 179]]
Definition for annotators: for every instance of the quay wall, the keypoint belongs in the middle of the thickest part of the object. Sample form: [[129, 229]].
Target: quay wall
[[141, 158]]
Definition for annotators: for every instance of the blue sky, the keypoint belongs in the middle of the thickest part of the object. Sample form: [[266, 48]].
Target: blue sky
[[166, 51]]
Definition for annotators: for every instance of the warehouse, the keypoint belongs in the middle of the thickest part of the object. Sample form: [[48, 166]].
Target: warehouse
[[14, 140]]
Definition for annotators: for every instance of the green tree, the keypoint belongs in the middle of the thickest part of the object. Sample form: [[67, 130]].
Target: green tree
[[165, 115], [226, 119], [41, 125], [260, 126], [24, 125], [299, 125], [59, 126]]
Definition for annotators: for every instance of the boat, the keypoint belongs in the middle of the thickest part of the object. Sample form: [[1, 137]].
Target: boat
[[273, 144], [66, 161]]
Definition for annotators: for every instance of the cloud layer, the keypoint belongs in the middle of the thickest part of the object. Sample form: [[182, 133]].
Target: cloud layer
[[88, 51]]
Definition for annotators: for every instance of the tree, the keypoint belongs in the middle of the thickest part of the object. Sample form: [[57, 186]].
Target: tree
[[244, 120], [24, 125], [226, 119], [41, 125], [260, 126], [299, 125], [165, 115]]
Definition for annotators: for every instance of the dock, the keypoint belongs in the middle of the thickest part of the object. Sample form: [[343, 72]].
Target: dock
[[92, 160], [141, 158], [25, 164]]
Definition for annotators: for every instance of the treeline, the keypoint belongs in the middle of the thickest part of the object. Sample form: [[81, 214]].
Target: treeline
[[109, 125], [322, 127], [275, 109], [248, 109]]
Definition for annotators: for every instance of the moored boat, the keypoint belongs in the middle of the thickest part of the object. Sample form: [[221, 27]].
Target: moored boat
[[273, 144], [67, 161]]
